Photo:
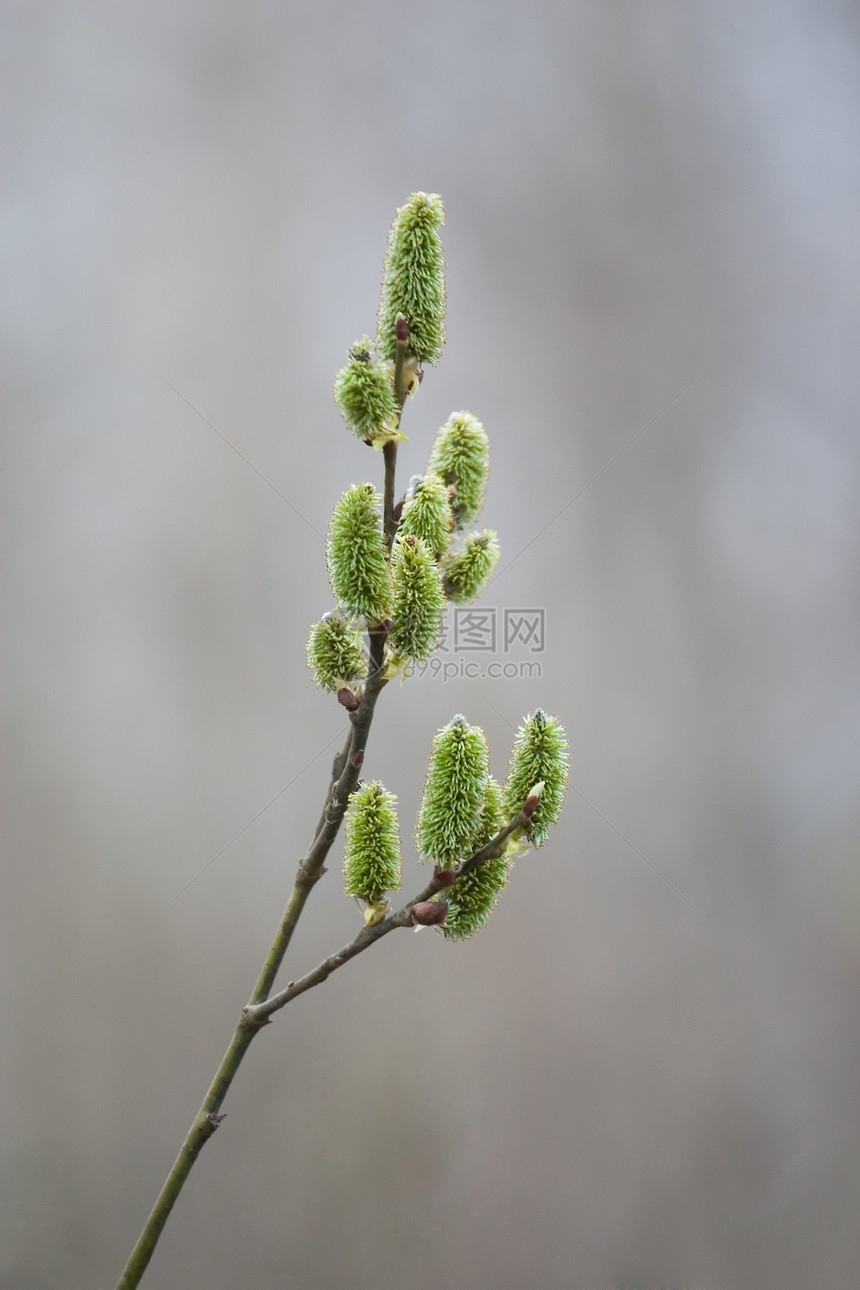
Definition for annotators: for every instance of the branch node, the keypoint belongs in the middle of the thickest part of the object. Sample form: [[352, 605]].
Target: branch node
[[250, 1021], [306, 876]]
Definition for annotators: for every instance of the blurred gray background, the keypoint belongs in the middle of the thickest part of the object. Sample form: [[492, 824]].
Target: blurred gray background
[[644, 1071]]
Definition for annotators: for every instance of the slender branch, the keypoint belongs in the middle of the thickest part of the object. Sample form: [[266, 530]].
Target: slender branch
[[389, 450], [344, 780], [260, 1013], [389, 524]]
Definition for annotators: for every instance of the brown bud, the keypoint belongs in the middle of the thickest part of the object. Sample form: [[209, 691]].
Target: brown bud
[[444, 877], [397, 512], [427, 913], [347, 699], [357, 758], [401, 330], [530, 806]]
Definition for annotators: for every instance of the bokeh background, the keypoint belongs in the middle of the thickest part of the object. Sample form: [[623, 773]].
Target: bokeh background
[[644, 1071]]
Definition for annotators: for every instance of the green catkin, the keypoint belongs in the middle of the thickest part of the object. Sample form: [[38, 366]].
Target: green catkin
[[418, 603], [363, 392], [355, 551], [335, 654], [466, 572], [371, 855], [427, 514], [473, 897], [539, 756], [449, 817], [461, 457], [413, 280]]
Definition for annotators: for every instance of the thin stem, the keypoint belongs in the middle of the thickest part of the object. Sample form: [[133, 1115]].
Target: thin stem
[[389, 450], [302, 886], [344, 780], [389, 524], [259, 1014], [205, 1124]]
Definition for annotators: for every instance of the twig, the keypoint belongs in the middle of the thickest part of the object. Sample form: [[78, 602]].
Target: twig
[[344, 780], [257, 1015]]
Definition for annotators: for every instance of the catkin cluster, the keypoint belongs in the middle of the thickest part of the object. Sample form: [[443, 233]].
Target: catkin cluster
[[394, 583]]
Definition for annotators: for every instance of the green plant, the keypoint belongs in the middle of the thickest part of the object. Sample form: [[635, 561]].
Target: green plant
[[391, 566]]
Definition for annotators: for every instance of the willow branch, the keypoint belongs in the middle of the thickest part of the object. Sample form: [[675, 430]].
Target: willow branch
[[389, 450], [344, 780], [259, 1014]]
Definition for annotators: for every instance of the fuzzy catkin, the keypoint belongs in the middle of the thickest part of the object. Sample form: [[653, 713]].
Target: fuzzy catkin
[[539, 756], [461, 457], [427, 514], [418, 602], [449, 817], [335, 654], [466, 572], [413, 280], [371, 856], [355, 551], [363, 392], [473, 897]]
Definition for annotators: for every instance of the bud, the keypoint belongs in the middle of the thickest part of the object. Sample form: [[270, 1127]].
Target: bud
[[444, 877], [429, 913], [532, 800], [371, 853], [466, 572], [413, 281], [539, 756], [355, 551], [427, 513], [461, 456], [475, 895], [348, 699], [362, 390], [418, 601], [335, 655], [449, 817]]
